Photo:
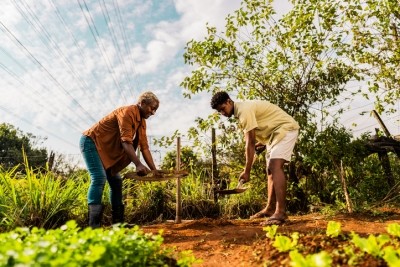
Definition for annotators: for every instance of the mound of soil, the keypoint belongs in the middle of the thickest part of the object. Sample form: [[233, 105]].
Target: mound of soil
[[219, 242]]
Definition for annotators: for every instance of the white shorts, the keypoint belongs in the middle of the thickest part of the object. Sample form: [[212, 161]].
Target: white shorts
[[283, 149]]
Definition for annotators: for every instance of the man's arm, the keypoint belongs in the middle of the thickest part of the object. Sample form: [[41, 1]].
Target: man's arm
[[250, 138], [130, 151], [149, 159]]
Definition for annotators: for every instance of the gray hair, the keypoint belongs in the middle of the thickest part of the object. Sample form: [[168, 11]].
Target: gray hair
[[148, 98]]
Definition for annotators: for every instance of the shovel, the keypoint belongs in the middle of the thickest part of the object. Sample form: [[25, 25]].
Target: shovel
[[239, 189]]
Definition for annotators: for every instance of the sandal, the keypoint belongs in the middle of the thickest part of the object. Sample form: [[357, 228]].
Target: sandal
[[273, 221], [261, 214]]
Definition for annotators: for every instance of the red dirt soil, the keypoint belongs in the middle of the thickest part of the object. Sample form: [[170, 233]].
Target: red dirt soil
[[234, 243]]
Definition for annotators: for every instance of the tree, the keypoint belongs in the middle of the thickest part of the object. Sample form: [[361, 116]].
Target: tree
[[374, 47], [292, 62], [13, 142], [302, 62]]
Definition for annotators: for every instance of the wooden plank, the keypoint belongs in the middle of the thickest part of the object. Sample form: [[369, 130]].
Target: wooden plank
[[383, 126], [151, 177]]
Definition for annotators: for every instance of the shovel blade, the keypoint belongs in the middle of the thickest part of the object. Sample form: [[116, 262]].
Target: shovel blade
[[231, 191]]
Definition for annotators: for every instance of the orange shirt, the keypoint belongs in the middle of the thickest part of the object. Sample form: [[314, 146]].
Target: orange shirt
[[122, 125]]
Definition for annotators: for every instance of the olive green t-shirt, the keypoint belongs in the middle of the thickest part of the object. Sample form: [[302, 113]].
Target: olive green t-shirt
[[270, 122]]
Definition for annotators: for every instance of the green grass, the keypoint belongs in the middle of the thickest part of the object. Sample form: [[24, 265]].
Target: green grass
[[37, 198]]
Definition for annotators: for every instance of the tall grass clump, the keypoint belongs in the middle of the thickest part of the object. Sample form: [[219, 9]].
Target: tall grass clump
[[238, 205], [36, 198], [147, 201], [197, 197]]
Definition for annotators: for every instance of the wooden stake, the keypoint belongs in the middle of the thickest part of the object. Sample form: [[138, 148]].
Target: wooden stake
[[214, 172], [178, 182]]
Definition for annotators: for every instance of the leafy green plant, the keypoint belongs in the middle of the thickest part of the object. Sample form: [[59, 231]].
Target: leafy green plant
[[284, 243], [321, 259], [271, 231], [333, 229], [355, 250], [372, 245], [391, 256], [37, 198], [71, 246], [393, 229], [351, 254]]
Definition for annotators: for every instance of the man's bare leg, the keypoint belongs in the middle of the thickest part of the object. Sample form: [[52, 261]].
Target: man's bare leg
[[279, 187], [271, 203]]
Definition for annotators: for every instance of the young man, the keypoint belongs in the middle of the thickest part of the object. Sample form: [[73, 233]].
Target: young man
[[264, 123], [109, 146]]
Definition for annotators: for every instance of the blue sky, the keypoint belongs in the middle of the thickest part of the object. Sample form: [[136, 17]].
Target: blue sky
[[65, 64]]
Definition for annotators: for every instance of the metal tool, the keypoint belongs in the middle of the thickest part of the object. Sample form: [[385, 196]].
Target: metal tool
[[239, 189]]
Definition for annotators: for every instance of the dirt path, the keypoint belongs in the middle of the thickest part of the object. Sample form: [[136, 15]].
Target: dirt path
[[234, 243]]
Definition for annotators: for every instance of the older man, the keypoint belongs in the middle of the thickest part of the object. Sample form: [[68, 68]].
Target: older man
[[109, 146]]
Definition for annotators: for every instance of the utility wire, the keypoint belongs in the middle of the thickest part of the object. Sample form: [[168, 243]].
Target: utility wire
[[36, 94], [124, 36], [107, 18], [37, 62], [40, 28], [83, 56], [38, 127], [96, 36]]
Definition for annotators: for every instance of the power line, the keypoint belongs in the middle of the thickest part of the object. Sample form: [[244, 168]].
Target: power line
[[99, 44], [37, 127], [36, 94], [107, 19], [41, 29], [71, 34], [124, 35], [38, 63]]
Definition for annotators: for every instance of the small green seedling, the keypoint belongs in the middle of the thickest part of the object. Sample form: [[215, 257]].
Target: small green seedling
[[333, 229], [271, 231], [321, 259], [393, 229], [284, 243]]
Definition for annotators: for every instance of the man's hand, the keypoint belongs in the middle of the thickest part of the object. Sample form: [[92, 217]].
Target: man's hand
[[142, 170], [260, 148], [245, 177], [156, 173]]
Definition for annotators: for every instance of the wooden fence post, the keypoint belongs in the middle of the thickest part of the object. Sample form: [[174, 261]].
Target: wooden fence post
[[178, 182], [214, 169]]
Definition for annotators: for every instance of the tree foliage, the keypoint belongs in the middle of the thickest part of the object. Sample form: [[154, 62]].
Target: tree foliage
[[13, 142], [188, 159], [374, 47], [302, 61], [291, 62]]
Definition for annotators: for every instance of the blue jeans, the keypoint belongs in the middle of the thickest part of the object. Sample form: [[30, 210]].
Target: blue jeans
[[98, 175]]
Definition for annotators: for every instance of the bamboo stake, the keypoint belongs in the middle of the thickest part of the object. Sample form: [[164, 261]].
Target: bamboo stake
[[346, 193]]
